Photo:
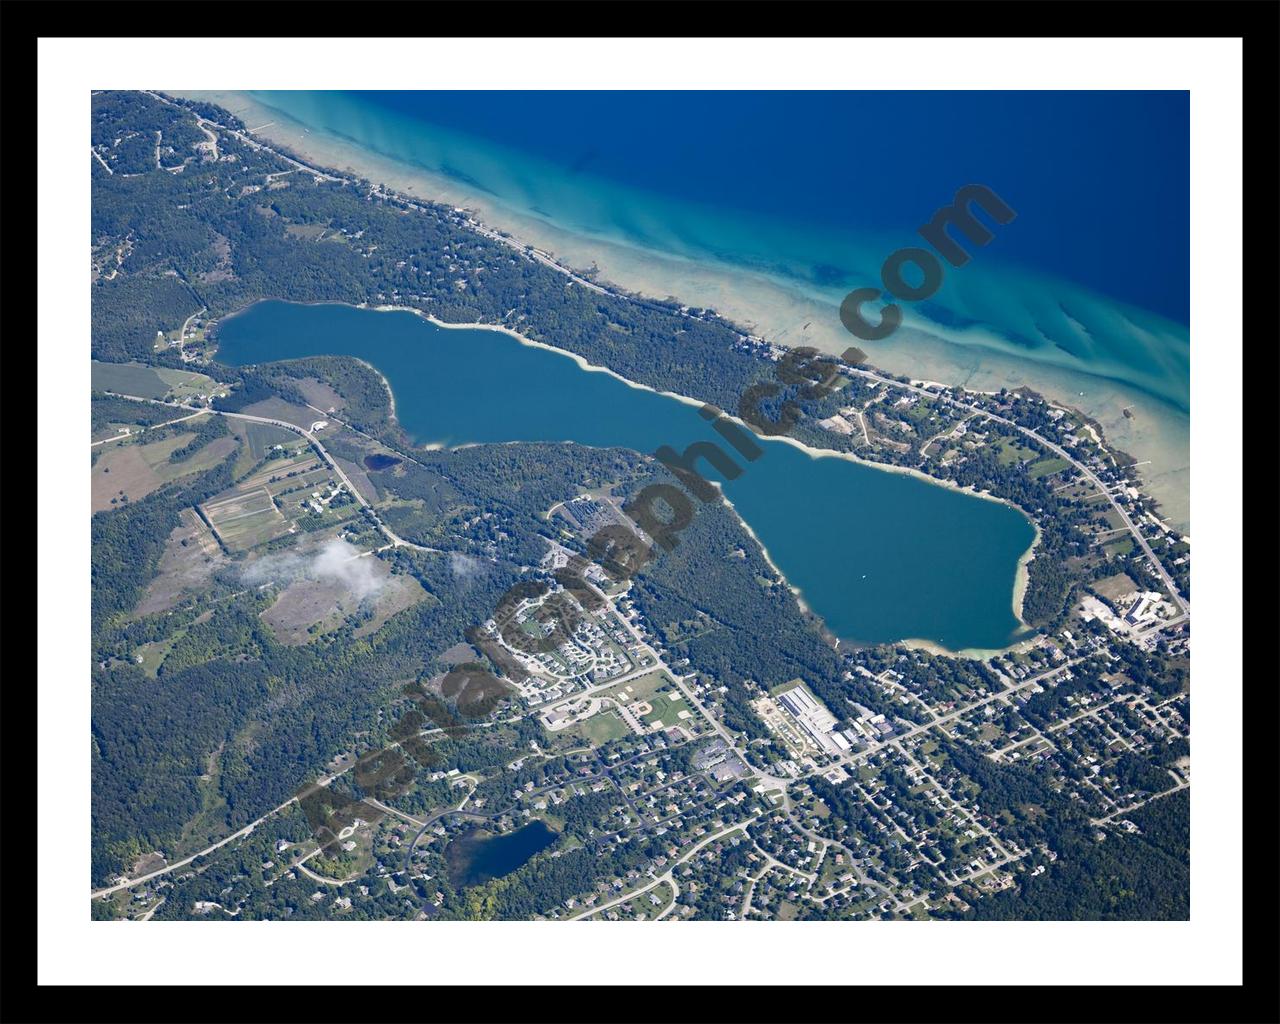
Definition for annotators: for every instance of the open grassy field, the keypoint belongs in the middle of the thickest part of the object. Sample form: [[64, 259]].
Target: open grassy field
[[245, 519], [127, 379], [1112, 519], [359, 479], [149, 656], [190, 557], [1046, 466], [638, 689], [259, 438], [151, 381], [402, 592], [1080, 490], [311, 232], [305, 609], [299, 483], [1011, 451], [309, 608], [184, 384], [669, 709], [602, 728], [1115, 588], [286, 468], [128, 471], [316, 599], [320, 394], [132, 469], [1119, 547], [278, 409]]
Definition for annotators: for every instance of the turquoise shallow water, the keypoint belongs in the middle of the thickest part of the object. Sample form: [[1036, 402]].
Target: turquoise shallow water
[[814, 190], [881, 556]]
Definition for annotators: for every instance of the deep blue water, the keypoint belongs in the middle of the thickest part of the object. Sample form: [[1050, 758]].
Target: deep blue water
[[477, 857], [879, 555], [1101, 179], [815, 189]]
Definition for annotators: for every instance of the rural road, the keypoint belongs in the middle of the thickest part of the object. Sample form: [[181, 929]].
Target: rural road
[[143, 430], [1062, 454], [129, 882], [329, 460]]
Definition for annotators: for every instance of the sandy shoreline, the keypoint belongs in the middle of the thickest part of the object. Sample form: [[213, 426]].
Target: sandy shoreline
[[589, 367], [1155, 435], [813, 453], [1145, 433], [1020, 574]]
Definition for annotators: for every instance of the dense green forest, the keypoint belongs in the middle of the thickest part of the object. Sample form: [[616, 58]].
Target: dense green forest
[[127, 312], [1142, 877], [232, 722], [229, 240], [490, 499], [127, 542], [273, 713]]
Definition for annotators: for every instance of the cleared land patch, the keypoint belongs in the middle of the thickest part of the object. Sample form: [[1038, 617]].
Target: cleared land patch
[[1118, 548], [184, 384], [401, 592], [668, 709], [304, 609], [641, 689], [601, 728], [1046, 466], [259, 439], [125, 473], [291, 492], [285, 467], [127, 379], [190, 557], [152, 381], [245, 520], [1010, 451], [331, 586], [132, 470], [150, 656], [279, 409], [1115, 589], [320, 394]]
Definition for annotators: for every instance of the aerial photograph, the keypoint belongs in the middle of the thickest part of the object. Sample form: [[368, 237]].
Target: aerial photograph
[[663, 506]]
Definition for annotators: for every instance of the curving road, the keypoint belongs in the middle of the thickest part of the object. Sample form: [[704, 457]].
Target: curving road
[[396, 541], [666, 876], [1062, 454]]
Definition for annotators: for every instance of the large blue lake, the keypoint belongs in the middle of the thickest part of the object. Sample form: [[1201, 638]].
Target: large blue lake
[[879, 555], [814, 188]]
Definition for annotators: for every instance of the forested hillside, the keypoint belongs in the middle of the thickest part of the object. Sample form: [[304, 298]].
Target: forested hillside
[[221, 234]]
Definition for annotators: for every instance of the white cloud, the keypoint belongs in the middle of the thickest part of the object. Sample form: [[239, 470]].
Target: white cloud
[[464, 566], [336, 561]]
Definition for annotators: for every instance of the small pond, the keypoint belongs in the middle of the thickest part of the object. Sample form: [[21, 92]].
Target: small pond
[[479, 856]]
